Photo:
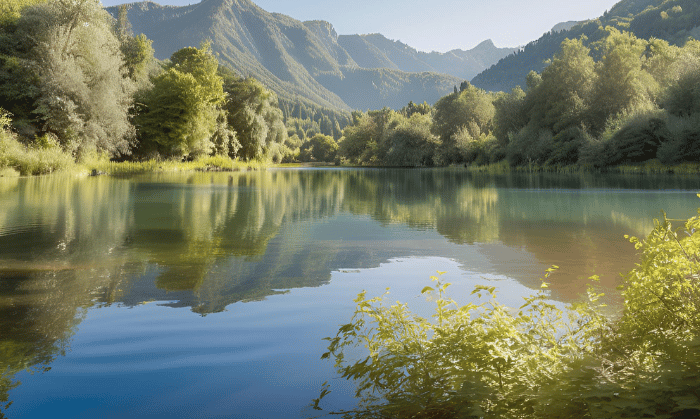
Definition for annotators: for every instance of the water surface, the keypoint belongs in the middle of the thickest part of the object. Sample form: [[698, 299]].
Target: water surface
[[207, 295]]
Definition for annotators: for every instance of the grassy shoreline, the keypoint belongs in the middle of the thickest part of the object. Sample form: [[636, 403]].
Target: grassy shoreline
[[651, 167], [17, 159]]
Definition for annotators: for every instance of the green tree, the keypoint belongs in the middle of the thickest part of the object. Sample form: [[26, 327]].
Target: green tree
[[253, 112], [471, 111], [562, 97], [623, 83], [182, 108], [137, 50], [412, 143], [322, 148], [509, 116], [365, 141], [75, 78]]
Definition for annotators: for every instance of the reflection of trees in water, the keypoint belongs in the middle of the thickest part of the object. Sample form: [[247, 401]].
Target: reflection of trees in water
[[445, 200], [192, 226], [39, 312], [67, 243]]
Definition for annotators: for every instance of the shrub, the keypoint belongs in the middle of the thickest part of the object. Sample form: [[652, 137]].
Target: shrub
[[482, 359], [45, 158]]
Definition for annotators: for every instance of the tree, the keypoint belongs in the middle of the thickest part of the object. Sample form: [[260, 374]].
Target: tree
[[623, 83], [76, 76], [320, 148], [182, 108], [137, 50], [509, 116], [472, 109], [253, 112], [562, 97], [412, 143]]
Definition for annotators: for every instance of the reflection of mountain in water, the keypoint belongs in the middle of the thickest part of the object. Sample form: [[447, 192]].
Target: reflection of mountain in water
[[206, 241], [209, 240]]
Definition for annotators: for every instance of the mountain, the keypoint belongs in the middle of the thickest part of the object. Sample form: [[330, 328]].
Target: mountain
[[564, 26], [672, 20], [309, 61], [376, 51]]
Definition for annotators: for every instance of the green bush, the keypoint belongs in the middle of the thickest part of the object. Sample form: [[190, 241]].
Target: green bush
[[484, 360], [683, 143], [46, 157]]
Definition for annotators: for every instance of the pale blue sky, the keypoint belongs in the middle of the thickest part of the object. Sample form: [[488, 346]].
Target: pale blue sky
[[436, 25]]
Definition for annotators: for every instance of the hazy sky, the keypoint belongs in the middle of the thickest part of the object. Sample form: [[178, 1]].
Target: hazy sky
[[436, 25]]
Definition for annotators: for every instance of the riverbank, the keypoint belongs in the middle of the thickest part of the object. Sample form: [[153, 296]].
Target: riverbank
[[651, 167], [17, 159]]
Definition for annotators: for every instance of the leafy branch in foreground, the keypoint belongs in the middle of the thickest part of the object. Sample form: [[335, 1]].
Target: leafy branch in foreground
[[483, 359]]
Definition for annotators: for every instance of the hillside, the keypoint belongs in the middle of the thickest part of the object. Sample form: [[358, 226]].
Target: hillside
[[308, 61], [671, 20], [376, 51]]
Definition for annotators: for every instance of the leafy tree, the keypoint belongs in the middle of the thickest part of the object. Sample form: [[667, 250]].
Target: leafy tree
[[683, 96], [411, 109], [359, 139], [623, 83], [365, 141], [10, 10], [471, 109], [412, 143], [252, 111], [509, 116], [182, 108], [137, 50], [322, 148], [562, 97], [74, 76]]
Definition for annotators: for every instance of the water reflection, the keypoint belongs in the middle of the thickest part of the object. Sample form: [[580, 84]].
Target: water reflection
[[206, 241]]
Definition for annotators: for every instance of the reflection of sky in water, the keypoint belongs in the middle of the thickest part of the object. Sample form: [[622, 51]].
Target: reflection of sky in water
[[258, 359], [298, 246]]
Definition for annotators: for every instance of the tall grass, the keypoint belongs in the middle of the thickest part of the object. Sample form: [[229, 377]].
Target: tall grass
[[19, 159], [650, 167], [209, 163]]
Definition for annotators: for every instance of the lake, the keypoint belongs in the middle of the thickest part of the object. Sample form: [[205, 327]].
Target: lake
[[207, 295]]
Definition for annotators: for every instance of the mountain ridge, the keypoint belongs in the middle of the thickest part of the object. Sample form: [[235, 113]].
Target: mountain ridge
[[671, 20], [307, 61]]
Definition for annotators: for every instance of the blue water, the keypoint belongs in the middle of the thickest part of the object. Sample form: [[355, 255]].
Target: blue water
[[208, 296]]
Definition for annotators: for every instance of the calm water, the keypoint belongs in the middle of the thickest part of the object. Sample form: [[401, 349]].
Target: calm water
[[207, 296]]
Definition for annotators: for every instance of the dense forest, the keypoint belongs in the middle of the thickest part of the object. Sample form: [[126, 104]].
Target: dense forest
[[638, 101], [76, 84], [671, 20]]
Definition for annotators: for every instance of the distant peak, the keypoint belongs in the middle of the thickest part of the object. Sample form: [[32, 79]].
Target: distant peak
[[487, 44]]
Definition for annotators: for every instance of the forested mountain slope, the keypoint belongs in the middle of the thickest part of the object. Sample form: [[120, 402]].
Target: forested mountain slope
[[308, 61], [672, 20]]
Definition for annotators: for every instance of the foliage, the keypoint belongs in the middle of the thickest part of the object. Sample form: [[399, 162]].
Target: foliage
[[321, 148], [64, 61], [181, 110], [44, 157], [469, 112], [482, 359], [252, 112], [411, 142]]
